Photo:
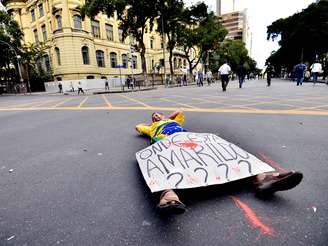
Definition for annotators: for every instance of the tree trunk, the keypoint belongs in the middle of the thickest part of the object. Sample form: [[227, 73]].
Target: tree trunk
[[170, 61], [143, 63]]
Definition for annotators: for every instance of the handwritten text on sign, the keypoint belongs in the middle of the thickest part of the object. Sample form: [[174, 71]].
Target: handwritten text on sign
[[188, 160]]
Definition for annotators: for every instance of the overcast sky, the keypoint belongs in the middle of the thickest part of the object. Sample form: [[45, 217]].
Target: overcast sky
[[261, 13]]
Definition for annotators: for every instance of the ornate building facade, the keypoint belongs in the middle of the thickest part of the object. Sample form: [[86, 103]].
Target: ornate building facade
[[84, 49]]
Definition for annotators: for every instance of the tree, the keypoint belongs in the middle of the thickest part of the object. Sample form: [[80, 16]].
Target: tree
[[303, 36], [11, 36], [201, 34], [171, 15], [33, 59], [233, 51], [136, 17]]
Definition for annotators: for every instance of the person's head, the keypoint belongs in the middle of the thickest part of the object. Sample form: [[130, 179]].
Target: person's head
[[157, 117]]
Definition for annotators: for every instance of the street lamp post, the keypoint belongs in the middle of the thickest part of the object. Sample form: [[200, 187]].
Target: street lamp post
[[18, 57], [162, 18]]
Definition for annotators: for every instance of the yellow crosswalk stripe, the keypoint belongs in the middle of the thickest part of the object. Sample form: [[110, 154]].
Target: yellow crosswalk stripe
[[83, 101], [107, 102], [178, 103], [136, 101], [62, 102]]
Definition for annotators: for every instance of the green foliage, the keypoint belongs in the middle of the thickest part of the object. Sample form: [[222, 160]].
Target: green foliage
[[233, 51], [201, 35], [302, 36], [136, 17]]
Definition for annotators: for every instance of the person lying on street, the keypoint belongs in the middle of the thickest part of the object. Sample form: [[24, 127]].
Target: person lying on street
[[265, 184]]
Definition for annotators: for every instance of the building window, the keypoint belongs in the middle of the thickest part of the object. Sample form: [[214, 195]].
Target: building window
[[44, 33], [179, 63], [36, 37], [77, 22], [85, 55], [184, 63], [57, 51], [134, 62], [41, 12], [47, 62], [95, 28], [109, 32], [90, 77], [125, 60], [100, 58], [120, 35], [113, 59], [175, 63], [59, 21], [162, 46], [161, 62], [152, 43], [33, 15]]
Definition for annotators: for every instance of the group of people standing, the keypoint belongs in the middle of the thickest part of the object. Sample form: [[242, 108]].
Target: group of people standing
[[315, 70]]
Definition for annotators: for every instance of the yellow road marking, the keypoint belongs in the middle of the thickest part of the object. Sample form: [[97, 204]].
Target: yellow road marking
[[200, 110], [42, 103], [62, 102], [135, 100], [107, 102], [182, 104], [22, 105], [83, 101]]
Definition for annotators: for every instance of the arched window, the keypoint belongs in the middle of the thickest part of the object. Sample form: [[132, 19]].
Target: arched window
[[134, 62], [77, 22], [125, 60], [57, 51], [179, 63], [113, 59], [175, 63], [59, 22], [85, 55], [184, 63], [100, 58], [47, 62]]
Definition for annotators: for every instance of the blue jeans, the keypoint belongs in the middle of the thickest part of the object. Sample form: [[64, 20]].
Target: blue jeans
[[299, 80], [315, 77]]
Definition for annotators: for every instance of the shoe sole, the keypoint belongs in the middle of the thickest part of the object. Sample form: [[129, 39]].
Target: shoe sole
[[286, 183], [172, 209]]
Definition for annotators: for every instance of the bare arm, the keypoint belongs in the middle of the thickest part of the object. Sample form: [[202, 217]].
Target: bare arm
[[175, 114]]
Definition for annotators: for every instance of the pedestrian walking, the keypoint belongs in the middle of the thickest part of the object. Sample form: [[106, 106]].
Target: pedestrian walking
[[241, 72], [269, 71], [224, 72], [209, 77], [299, 73], [185, 80], [60, 87], [200, 78], [106, 85], [72, 87], [316, 69], [79, 88]]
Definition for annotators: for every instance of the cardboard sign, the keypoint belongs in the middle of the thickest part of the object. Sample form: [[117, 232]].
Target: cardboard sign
[[188, 160]]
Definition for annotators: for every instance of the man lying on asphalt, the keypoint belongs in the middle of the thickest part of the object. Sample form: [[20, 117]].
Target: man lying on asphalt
[[265, 183]]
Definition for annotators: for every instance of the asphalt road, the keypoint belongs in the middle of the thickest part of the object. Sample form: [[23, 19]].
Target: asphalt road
[[68, 174]]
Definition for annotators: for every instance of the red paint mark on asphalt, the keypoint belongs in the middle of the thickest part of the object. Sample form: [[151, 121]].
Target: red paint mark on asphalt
[[188, 144], [253, 219], [272, 163], [236, 169]]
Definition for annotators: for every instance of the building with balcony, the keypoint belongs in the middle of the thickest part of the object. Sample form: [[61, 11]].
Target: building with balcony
[[83, 49]]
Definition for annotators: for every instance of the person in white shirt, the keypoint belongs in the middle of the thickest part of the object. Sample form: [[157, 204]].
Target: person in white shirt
[[209, 77], [316, 68], [224, 72]]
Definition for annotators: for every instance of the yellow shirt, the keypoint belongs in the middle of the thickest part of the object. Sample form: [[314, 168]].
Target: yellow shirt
[[161, 129]]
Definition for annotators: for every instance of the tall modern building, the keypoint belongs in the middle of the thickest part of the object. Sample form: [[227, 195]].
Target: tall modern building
[[235, 21], [80, 49]]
